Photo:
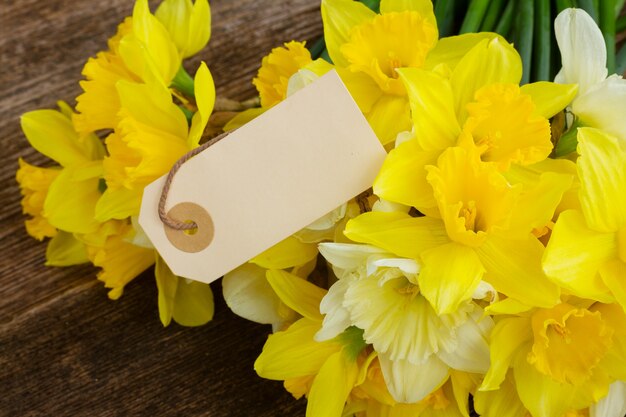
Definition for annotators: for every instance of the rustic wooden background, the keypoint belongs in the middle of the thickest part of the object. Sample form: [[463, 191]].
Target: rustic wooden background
[[65, 349]]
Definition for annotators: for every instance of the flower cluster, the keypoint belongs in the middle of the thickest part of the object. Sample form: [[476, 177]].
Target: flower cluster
[[138, 113], [488, 262], [485, 270]]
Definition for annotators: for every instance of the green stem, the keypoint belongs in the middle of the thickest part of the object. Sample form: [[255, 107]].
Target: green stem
[[317, 48], [619, 5], [506, 20], [493, 13], [184, 83], [589, 7], [620, 61], [524, 36], [568, 141], [188, 113], [620, 24], [541, 52], [607, 26], [563, 4], [474, 16], [444, 12], [373, 5]]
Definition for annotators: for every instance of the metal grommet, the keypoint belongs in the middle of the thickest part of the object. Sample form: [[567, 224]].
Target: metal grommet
[[194, 240]]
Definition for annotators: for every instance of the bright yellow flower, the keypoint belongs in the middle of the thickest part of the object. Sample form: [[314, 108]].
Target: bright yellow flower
[[586, 253], [294, 354], [120, 260], [276, 69], [34, 184], [142, 50], [484, 232], [563, 358], [150, 136], [188, 24], [367, 48]]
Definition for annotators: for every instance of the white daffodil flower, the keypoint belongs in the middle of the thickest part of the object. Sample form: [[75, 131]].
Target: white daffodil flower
[[601, 100], [380, 293]]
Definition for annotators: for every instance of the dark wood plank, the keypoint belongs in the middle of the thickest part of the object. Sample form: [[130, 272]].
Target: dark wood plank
[[65, 349]]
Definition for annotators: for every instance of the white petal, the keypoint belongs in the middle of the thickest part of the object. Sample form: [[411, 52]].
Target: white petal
[[583, 51], [337, 318], [329, 219], [472, 352], [485, 291], [249, 295], [347, 256], [410, 383], [389, 206], [407, 266], [613, 405], [603, 106]]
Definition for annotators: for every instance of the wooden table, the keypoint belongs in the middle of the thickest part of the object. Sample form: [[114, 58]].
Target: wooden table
[[65, 348]]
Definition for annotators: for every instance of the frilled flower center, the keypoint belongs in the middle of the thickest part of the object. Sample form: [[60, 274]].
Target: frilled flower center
[[503, 125], [389, 41], [568, 342]]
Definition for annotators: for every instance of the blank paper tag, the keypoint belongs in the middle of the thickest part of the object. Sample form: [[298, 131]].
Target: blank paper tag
[[262, 183]]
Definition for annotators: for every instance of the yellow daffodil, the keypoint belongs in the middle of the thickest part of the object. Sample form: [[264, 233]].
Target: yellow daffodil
[[330, 368], [367, 48], [151, 134], [142, 50], [34, 184], [601, 99], [482, 230], [61, 197], [120, 260], [416, 346], [586, 253], [563, 358], [189, 24]]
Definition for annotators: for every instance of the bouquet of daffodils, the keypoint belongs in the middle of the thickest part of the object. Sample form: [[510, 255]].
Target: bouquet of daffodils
[[485, 271]]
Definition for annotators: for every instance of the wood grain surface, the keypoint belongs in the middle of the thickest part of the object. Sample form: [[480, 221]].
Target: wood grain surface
[[65, 349]]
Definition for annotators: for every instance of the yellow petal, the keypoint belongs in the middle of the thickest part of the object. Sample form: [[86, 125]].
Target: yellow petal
[[449, 276], [150, 49], [293, 353], [205, 100], [189, 26], [332, 385], [51, 133], [189, 303], [193, 305], [536, 206], [119, 203], [489, 62], [286, 254], [297, 293], [432, 108], [402, 178], [602, 171], [389, 116], [451, 49], [65, 250], [506, 338], [615, 318], [550, 98], [242, 118], [613, 276], [249, 295], [541, 395], [71, 202], [423, 7], [339, 17], [503, 402], [34, 184], [397, 233], [362, 88], [514, 268], [574, 255]]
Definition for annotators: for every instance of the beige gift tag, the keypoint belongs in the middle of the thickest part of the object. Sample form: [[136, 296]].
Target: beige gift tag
[[272, 177]]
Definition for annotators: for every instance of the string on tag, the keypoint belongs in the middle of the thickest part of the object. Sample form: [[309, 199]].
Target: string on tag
[[167, 220]]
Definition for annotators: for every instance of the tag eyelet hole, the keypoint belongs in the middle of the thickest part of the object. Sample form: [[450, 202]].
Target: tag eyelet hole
[[190, 232]]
